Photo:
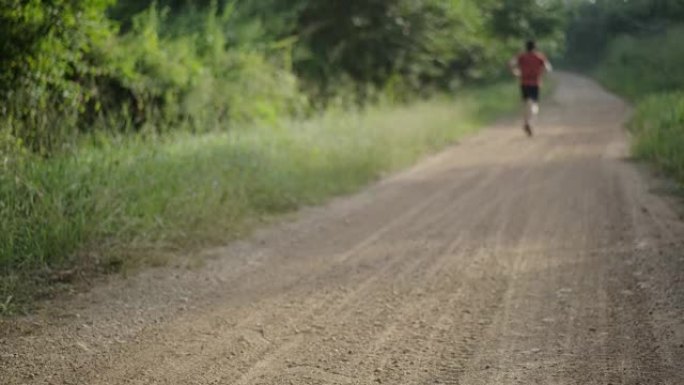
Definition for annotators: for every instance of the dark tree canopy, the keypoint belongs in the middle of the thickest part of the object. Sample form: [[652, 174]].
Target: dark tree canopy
[[592, 25]]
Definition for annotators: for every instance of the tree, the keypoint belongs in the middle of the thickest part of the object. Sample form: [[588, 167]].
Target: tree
[[594, 24], [48, 58]]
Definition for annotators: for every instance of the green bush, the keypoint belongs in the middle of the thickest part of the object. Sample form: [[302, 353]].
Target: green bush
[[658, 126], [593, 25], [195, 75], [638, 66], [195, 70], [48, 66]]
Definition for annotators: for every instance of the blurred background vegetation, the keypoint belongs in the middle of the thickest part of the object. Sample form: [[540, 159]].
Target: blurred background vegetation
[[635, 49], [141, 122]]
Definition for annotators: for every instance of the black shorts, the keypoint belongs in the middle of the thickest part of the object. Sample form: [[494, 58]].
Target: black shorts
[[530, 93]]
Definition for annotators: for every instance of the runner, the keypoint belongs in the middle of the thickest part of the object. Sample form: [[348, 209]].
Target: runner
[[530, 67]]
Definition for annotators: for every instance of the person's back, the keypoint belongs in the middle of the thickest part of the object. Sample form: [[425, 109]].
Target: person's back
[[532, 65]]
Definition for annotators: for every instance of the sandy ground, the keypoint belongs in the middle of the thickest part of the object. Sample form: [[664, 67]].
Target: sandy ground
[[503, 260]]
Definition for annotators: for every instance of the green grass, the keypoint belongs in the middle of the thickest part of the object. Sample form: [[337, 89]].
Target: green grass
[[658, 127], [120, 201]]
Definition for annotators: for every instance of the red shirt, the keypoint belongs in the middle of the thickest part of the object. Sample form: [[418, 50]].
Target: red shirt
[[532, 66]]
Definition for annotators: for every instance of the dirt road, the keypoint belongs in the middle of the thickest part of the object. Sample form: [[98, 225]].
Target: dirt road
[[504, 260]]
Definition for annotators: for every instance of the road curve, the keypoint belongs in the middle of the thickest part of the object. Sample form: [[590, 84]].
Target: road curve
[[503, 260]]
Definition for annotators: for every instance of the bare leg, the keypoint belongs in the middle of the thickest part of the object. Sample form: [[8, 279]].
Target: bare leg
[[531, 111]]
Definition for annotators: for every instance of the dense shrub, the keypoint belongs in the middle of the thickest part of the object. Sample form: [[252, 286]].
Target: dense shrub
[[658, 127], [197, 75], [593, 25], [65, 70], [48, 65], [638, 66]]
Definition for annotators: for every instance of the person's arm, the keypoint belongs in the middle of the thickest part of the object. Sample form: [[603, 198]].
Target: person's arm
[[547, 64], [514, 67]]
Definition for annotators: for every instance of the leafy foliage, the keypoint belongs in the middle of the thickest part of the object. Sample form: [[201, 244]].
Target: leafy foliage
[[71, 66], [527, 19], [49, 59], [594, 24], [639, 66]]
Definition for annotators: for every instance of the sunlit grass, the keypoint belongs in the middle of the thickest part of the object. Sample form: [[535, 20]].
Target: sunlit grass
[[115, 201]]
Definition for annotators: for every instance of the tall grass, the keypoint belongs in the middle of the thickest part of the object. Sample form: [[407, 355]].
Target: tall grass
[[117, 195], [658, 126]]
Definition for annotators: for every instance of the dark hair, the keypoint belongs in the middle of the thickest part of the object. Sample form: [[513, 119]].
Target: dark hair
[[531, 45]]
